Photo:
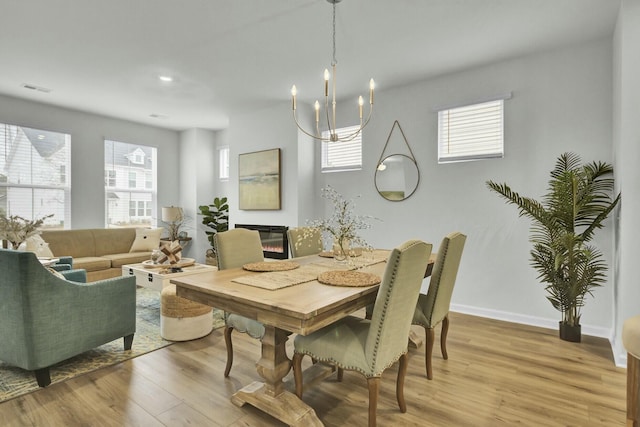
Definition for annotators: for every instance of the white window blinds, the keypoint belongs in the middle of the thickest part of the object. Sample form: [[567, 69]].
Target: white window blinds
[[342, 155], [35, 167], [471, 132]]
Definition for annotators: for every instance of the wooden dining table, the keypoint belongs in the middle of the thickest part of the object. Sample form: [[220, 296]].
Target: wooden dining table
[[301, 309]]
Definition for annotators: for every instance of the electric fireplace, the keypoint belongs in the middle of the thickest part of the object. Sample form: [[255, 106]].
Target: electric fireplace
[[275, 243]]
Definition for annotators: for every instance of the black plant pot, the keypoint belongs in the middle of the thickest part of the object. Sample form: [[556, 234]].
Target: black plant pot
[[570, 333]]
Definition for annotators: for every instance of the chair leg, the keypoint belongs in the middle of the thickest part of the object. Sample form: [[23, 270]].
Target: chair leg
[[297, 372], [128, 342], [402, 372], [42, 377], [443, 337], [340, 374], [374, 389], [229, 344], [633, 391], [429, 337]]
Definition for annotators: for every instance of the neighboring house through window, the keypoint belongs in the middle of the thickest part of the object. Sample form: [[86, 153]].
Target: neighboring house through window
[[130, 184], [35, 169]]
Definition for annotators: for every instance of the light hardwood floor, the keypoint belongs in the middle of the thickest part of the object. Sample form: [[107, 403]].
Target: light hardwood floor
[[498, 373]]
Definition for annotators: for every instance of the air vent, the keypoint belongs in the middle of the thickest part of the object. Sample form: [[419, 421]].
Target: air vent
[[34, 87], [158, 116]]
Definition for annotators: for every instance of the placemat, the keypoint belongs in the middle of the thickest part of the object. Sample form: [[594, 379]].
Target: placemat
[[282, 279], [348, 278], [271, 266]]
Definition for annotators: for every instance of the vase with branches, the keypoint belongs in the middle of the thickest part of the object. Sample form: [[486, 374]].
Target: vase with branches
[[16, 229], [577, 202], [343, 226]]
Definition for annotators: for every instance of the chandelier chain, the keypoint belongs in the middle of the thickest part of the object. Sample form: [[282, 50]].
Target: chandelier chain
[[334, 35]]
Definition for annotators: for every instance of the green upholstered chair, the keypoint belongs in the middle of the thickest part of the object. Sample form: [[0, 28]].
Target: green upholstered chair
[[234, 248], [46, 319], [433, 308], [304, 241], [371, 346]]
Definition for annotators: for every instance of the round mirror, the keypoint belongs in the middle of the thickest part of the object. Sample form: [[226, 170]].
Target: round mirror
[[397, 177]]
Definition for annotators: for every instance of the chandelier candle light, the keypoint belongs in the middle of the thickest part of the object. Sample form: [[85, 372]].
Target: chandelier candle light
[[331, 119]]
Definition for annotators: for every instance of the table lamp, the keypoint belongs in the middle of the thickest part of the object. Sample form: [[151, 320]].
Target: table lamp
[[173, 216]]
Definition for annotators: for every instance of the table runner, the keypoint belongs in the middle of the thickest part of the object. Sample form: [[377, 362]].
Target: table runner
[[307, 272]]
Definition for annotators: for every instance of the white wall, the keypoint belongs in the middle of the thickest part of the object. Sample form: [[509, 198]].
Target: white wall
[[198, 185], [88, 132], [264, 130], [626, 108], [561, 102]]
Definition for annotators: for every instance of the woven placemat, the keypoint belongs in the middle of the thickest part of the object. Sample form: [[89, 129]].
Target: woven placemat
[[271, 266], [348, 278]]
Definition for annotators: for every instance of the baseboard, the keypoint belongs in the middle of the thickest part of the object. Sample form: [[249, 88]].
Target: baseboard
[[596, 331]]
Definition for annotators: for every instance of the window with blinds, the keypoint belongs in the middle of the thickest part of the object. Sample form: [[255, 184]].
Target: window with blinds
[[223, 163], [342, 156], [35, 169], [471, 132], [130, 184]]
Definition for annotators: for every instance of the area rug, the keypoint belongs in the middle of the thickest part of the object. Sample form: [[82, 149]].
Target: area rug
[[15, 382]]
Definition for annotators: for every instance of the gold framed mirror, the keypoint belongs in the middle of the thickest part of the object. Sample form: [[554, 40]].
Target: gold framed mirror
[[397, 175]]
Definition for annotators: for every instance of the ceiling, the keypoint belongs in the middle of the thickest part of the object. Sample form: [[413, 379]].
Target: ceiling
[[227, 56]]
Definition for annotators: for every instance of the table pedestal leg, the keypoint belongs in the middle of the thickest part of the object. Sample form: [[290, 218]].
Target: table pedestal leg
[[271, 396]]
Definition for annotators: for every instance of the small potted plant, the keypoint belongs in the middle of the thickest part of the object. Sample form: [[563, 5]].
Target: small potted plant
[[576, 204], [216, 217]]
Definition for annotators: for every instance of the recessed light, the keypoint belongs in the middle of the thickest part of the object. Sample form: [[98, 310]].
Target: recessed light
[[41, 137], [166, 79]]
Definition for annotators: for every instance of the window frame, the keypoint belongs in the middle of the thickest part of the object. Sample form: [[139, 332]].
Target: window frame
[[341, 162], [43, 187], [121, 162], [472, 131]]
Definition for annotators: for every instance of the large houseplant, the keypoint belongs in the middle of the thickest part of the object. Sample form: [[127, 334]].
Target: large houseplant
[[577, 202], [216, 217]]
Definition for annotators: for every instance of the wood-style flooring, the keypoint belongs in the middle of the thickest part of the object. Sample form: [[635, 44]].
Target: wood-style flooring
[[498, 373]]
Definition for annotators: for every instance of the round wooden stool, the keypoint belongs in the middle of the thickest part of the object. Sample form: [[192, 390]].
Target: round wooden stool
[[182, 319], [631, 341]]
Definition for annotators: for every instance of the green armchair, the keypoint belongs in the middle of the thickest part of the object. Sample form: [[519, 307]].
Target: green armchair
[[46, 319]]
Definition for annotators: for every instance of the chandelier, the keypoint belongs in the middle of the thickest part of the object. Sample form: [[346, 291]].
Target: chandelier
[[330, 111]]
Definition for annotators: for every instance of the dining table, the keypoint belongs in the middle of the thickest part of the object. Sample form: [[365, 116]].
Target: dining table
[[285, 302]]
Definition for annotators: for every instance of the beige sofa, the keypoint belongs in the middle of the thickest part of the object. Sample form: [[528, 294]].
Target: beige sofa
[[102, 252]]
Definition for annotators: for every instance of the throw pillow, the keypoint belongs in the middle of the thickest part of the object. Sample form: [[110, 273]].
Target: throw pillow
[[147, 239], [37, 245]]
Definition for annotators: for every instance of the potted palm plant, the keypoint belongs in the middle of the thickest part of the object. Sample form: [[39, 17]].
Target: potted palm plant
[[577, 202], [216, 217]]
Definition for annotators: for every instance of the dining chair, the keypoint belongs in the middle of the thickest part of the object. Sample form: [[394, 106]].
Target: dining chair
[[369, 346], [304, 241], [234, 248], [433, 308], [631, 342]]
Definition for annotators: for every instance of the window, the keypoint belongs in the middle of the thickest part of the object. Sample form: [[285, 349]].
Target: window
[[133, 179], [342, 156], [35, 167], [110, 178], [127, 202], [223, 165], [471, 132]]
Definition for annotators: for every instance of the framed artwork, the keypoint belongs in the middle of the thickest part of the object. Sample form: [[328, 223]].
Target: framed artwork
[[259, 176]]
